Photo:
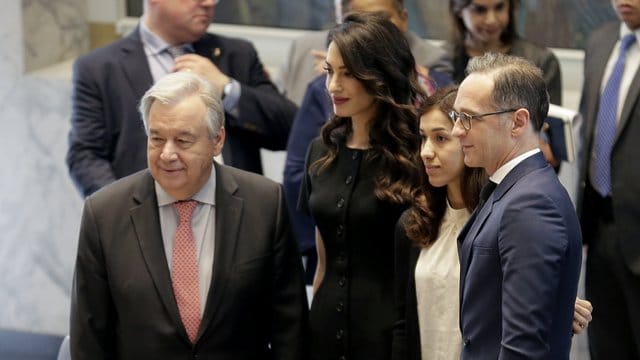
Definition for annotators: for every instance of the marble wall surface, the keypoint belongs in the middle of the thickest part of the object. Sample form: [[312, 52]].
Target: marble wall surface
[[39, 207], [54, 31]]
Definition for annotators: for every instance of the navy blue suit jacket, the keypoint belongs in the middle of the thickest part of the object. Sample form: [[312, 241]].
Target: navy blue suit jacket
[[520, 259], [107, 139]]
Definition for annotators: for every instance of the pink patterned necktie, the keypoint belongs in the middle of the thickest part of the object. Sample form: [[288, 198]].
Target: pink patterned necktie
[[184, 270]]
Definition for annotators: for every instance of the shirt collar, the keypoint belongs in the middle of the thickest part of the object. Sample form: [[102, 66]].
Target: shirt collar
[[503, 170], [153, 42], [624, 30], [206, 194]]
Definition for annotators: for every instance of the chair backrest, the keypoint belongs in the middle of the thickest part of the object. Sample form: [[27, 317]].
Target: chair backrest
[[64, 352]]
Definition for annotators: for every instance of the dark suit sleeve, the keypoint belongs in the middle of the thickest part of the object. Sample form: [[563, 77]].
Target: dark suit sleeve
[[314, 112], [305, 186], [92, 331], [290, 339], [399, 343], [533, 242], [261, 109], [89, 151]]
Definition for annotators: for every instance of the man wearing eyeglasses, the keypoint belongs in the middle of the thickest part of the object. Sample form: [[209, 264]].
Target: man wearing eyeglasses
[[520, 252], [107, 142]]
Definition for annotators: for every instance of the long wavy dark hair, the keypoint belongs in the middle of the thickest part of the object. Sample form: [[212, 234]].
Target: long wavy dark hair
[[425, 216], [378, 55]]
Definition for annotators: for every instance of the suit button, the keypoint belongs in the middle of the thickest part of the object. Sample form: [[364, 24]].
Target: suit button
[[339, 334], [348, 180], [340, 307], [342, 282], [466, 342], [340, 202]]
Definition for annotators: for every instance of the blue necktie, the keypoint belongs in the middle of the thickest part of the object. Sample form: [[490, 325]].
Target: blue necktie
[[606, 123]]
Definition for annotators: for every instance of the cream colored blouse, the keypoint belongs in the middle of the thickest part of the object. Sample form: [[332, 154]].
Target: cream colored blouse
[[437, 277]]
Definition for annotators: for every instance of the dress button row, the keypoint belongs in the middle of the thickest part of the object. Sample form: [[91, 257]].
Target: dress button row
[[354, 155], [339, 334], [340, 202], [348, 180], [342, 282], [340, 307], [340, 230]]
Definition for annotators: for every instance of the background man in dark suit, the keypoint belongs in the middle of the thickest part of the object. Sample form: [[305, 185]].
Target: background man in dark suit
[[223, 283], [520, 252], [610, 180], [106, 139]]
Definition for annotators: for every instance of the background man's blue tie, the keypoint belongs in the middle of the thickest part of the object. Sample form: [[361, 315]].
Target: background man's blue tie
[[606, 123]]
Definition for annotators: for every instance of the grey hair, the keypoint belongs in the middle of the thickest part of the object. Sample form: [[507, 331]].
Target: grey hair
[[518, 83], [175, 87]]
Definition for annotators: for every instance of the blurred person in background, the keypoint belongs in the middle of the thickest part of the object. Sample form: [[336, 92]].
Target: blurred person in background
[[609, 201], [106, 141]]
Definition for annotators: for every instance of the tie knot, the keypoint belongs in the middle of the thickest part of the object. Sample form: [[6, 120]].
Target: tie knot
[[185, 209], [486, 191], [627, 41], [179, 50]]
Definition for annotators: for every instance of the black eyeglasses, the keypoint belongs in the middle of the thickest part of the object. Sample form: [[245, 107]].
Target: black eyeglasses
[[465, 118]]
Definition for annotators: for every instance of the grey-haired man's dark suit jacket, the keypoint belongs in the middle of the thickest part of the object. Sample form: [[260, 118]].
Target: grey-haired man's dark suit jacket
[[123, 305]]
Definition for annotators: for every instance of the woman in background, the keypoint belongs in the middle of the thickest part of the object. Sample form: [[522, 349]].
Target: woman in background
[[427, 263], [359, 178], [479, 26]]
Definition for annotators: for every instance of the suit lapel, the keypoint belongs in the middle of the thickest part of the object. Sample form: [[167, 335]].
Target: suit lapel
[[210, 47], [468, 234], [630, 102], [134, 63], [146, 222], [465, 242], [228, 217], [597, 70]]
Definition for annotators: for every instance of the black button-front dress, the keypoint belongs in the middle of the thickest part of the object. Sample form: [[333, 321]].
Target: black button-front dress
[[352, 313]]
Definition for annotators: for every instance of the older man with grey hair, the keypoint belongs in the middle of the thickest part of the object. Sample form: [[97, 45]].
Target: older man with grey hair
[[190, 258]]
